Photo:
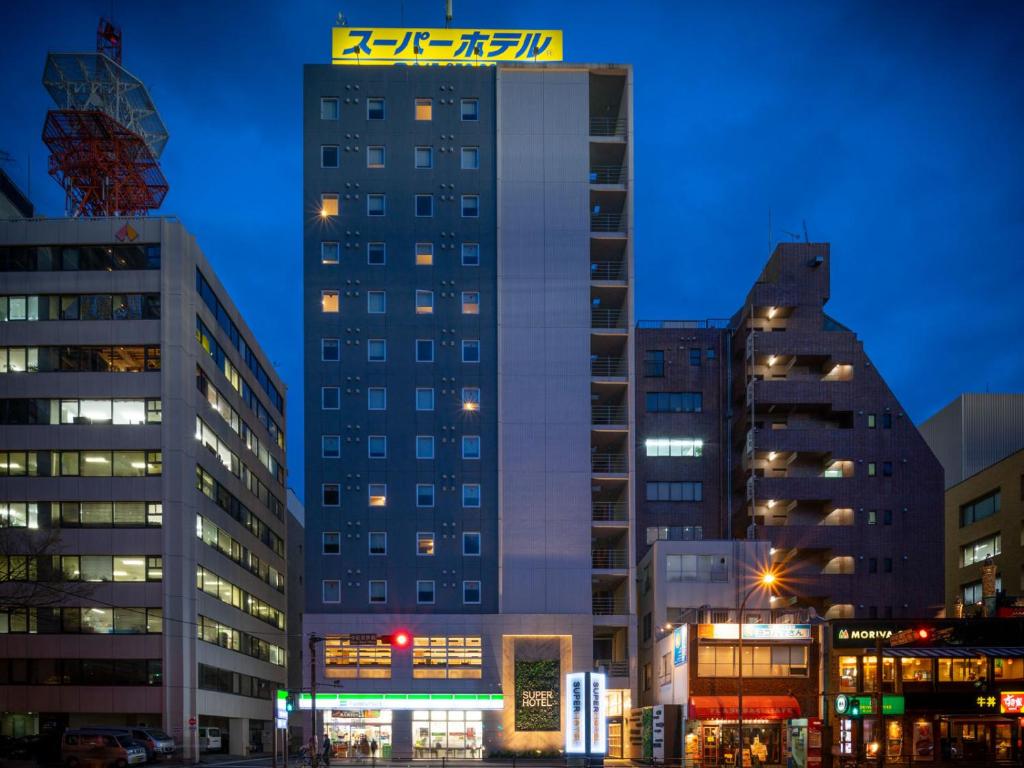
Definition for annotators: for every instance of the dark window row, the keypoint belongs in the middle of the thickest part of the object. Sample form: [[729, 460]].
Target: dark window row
[[674, 402], [87, 306], [119, 359], [80, 258], [227, 324], [226, 681], [93, 620], [675, 491], [103, 672], [223, 498], [987, 506]]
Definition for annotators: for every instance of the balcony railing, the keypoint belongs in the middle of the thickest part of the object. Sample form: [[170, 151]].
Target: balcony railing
[[609, 511], [607, 222], [608, 270], [607, 366], [607, 174], [607, 318], [609, 606], [612, 668], [607, 126], [608, 558], [607, 414], [609, 462]]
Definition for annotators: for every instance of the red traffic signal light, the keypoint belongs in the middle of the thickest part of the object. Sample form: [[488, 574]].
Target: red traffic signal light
[[399, 639], [923, 634]]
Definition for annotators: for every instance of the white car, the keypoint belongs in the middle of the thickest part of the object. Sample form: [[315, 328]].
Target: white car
[[209, 739]]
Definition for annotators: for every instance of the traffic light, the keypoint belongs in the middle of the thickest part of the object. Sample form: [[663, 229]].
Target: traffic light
[[855, 707], [399, 639], [923, 634], [291, 702]]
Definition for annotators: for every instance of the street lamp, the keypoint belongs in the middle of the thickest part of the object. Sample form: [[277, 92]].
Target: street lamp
[[766, 580]]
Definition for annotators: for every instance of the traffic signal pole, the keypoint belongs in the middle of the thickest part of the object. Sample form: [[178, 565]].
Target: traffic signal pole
[[314, 759]]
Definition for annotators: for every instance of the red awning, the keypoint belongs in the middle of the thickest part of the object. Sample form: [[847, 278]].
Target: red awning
[[754, 708]]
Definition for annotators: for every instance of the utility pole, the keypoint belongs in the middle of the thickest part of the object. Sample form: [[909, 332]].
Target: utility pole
[[315, 757], [879, 718]]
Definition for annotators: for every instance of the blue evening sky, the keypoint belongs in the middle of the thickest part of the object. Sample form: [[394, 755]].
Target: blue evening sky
[[896, 130]]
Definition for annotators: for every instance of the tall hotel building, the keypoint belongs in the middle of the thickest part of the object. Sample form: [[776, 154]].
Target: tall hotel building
[[141, 488], [468, 306]]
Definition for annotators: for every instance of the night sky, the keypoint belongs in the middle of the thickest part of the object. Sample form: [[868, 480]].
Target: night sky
[[895, 130]]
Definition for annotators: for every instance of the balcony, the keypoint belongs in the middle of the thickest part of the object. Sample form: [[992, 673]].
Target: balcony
[[608, 415], [608, 559], [609, 511], [607, 319], [608, 271], [607, 126], [796, 392], [601, 173], [609, 463], [608, 366], [609, 606], [826, 439], [612, 668], [800, 488], [608, 222]]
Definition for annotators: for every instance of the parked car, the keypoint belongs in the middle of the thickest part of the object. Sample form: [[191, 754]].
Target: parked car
[[24, 748], [157, 743], [209, 739], [90, 747]]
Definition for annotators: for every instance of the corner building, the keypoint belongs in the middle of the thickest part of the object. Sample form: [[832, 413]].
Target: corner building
[[468, 306]]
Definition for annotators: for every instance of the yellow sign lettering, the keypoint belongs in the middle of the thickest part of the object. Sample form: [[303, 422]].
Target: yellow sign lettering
[[469, 47]]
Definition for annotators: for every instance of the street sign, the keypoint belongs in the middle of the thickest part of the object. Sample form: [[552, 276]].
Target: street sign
[[365, 638], [856, 706], [191, 721]]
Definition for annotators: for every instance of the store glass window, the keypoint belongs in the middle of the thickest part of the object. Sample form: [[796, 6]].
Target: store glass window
[[916, 670], [961, 670], [871, 670], [447, 734], [848, 673], [1008, 669]]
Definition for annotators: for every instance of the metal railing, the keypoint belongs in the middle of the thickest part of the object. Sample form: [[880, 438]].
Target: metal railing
[[607, 174], [609, 511], [607, 222], [607, 414], [607, 366], [608, 270], [613, 668], [713, 322], [609, 462], [607, 318], [607, 126], [608, 606], [608, 558]]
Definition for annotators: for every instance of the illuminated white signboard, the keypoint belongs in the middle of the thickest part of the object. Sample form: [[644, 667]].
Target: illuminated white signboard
[[598, 715], [575, 713]]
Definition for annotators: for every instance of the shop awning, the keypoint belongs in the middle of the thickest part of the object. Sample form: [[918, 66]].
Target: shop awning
[[754, 708], [954, 653]]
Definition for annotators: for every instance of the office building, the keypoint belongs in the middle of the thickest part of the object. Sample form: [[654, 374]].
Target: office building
[[468, 312], [141, 488]]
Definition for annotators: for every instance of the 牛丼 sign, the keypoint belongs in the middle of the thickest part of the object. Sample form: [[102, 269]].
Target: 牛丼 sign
[[390, 45]]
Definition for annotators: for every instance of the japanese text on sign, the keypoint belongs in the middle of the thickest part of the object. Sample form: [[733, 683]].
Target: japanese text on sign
[[352, 45], [1011, 703]]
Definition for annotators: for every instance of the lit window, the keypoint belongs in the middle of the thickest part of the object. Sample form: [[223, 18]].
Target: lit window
[[375, 205], [375, 109], [330, 495], [471, 254], [424, 446], [424, 205], [329, 109], [329, 253], [377, 350], [424, 399], [424, 109], [424, 254], [424, 157], [471, 398], [470, 109], [871, 421], [470, 158], [424, 302], [376, 302], [471, 543], [470, 206], [330, 446], [471, 351], [377, 398], [424, 350], [471, 495], [674, 446], [471, 302], [331, 591], [330, 350], [425, 544], [375, 157], [378, 591], [328, 205], [377, 447], [330, 398], [471, 592], [331, 543], [378, 542], [425, 593], [471, 446], [378, 494], [329, 301], [376, 254], [329, 156], [424, 495], [872, 469]]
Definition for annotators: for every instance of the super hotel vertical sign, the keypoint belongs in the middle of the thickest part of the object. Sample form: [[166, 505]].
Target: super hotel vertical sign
[[586, 728], [392, 45]]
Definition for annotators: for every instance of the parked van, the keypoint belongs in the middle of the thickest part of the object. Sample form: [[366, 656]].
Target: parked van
[[157, 743], [209, 739], [92, 747]]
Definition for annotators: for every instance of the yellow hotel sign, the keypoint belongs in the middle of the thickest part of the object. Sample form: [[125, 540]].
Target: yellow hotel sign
[[474, 47]]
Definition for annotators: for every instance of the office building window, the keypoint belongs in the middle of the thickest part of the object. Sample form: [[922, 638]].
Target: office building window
[[674, 446], [471, 398], [471, 543], [471, 302], [871, 421], [377, 350], [330, 495], [705, 568], [872, 565], [424, 206], [376, 398], [471, 495], [376, 302], [375, 205], [424, 495], [377, 447], [331, 543], [376, 254], [424, 446], [375, 109], [425, 544], [424, 350], [424, 399], [872, 517], [470, 158], [378, 494], [972, 592], [424, 254], [329, 156], [424, 302], [378, 591], [674, 402], [329, 109], [886, 517], [330, 446], [469, 109], [710, 353], [654, 363], [471, 351], [886, 421], [375, 157], [330, 253], [377, 542], [695, 356], [888, 565], [471, 254], [330, 350], [471, 446], [424, 592], [675, 491], [329, 301], [886, 469], [424, 109], [424, 157], [977, 551], [470, 206], [331, 591], [872, 469], [330, 398], [471, 592], [979, 509], [328, 205]]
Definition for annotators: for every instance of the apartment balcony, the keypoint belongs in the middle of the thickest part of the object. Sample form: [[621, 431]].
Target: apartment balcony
[[611, 174], [608, 319], [609, 416], [608, 367], [801, 488], [804, 537], [609, 606], [608, 271], [827, 440], [612, 668], [609, 559], [609, 512], [609, 463], [608, 223], [803, 344], [608, 127], [795, 392]]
